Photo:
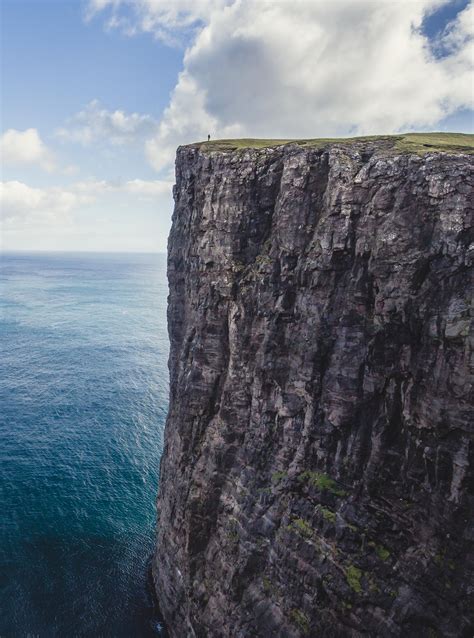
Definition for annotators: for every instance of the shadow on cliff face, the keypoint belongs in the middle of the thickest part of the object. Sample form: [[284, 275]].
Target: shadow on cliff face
[[152, 616]]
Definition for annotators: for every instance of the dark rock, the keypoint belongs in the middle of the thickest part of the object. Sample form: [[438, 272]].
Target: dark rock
[[317, 472]]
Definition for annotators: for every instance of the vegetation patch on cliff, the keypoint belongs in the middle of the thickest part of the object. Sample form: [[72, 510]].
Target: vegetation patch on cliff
[[353, 577], [327, 514], [322, 482], [301, 620], [279, 476], [381, 551], [302, 527], [417, 143]]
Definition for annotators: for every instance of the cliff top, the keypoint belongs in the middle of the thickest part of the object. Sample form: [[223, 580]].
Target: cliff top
[[418, 143]]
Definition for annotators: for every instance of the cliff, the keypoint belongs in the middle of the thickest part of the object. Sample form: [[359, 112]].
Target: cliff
[[318, 458]]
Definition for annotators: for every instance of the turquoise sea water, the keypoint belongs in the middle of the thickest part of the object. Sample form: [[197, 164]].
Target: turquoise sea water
[[83, 398]]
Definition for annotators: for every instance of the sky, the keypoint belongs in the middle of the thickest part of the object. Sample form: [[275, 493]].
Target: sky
[[98, 94]]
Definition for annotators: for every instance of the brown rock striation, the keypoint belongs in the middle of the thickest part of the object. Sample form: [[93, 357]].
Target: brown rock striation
[[318, 458]]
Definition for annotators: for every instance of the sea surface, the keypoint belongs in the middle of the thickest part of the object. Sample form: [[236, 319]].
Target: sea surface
[[83, 401]]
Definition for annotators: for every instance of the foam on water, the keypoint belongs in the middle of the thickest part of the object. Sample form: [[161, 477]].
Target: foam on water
[[83, 396]]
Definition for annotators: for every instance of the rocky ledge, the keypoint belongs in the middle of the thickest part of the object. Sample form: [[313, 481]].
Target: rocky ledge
[[318, 462]]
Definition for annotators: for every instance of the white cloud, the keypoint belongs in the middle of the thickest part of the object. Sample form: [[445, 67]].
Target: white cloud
[[144, 189], [95, 123], [165, 20], [93, 215], [185, 120], [148, 189], [22, 203], [305, 69], [25, 147]]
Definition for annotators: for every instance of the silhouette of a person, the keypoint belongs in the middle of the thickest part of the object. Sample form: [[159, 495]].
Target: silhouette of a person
[[208, 138]]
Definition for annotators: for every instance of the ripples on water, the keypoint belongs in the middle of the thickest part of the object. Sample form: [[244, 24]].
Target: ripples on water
[[83, 396]]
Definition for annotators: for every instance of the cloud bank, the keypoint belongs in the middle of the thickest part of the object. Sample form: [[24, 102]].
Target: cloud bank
[[18, 201], [21, 203], [303, 69]]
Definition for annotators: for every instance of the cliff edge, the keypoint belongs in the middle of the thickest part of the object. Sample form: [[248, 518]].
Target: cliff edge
[[318, 458]]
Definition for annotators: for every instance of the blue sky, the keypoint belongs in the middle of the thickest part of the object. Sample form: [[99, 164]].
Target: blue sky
[[97, 95]]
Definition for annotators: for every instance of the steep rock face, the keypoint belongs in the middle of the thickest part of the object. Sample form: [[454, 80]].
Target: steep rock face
[[318, 457]]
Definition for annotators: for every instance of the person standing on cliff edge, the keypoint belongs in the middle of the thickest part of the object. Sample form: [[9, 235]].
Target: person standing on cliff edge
[[208, 137]]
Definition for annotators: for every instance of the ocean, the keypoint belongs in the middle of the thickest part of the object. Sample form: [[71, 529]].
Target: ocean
[[83, 401]]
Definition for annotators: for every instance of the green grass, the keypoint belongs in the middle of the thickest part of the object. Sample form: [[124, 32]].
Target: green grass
[[279, 476], [353, 577], [382, 552], [327, 514], [302, 527], [417, 143], [429, 142], [267, 585], [322, 482], [301, 620]]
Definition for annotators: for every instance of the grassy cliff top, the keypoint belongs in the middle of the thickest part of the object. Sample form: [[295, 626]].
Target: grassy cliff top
[[418, 143]]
